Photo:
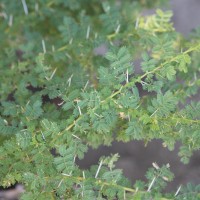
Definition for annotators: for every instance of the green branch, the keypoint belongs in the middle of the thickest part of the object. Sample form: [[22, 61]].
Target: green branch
[[127, 85]]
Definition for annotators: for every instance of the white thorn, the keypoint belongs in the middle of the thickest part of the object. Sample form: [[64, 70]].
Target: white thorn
[[60, 183], [74, 158], [28, 102], [168, 165], [127, 76], [82, 194], [88, 32], [85, 85], [68, 56], [25, 7], [154, 113], [79, 110], [70, 80], [98, 168], [23, 130], [10, 20], [137, 23], [117, 29], [43, 46], [177, 191], [60, 104], [53, 74], [124, 194], [98, 115], [43, 137], [195, 76], [70, 42], [76, 136], [144, 83], [83, 175], [53, 48], [66, 174], [129, 119], [151, 184], [155, 165], [111, 43], [36, 7]]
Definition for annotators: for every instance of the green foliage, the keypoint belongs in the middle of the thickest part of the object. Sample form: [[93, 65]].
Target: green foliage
[[163, 104], [58, 96]]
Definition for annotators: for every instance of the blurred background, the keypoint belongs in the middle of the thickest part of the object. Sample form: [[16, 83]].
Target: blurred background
[[135, 158]]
